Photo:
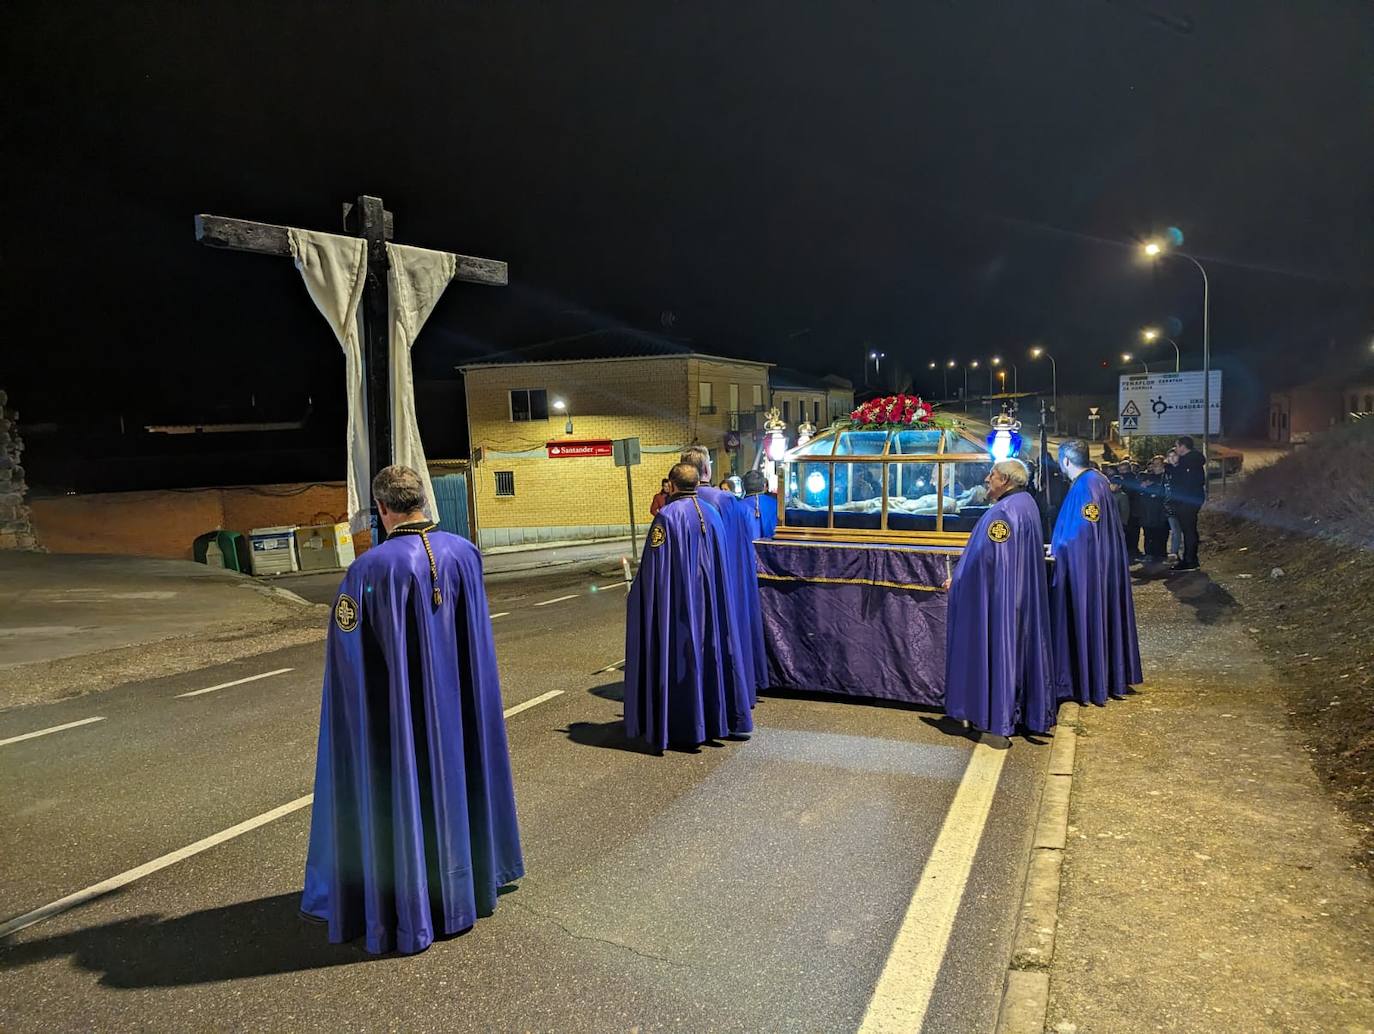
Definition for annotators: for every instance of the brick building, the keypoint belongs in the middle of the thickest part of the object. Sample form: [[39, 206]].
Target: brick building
[[534, 480], [1299, 412]]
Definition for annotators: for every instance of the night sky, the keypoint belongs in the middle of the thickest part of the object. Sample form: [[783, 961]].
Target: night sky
[[789, 180]]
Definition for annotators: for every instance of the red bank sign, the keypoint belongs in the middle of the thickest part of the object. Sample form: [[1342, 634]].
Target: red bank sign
[[577, 450]]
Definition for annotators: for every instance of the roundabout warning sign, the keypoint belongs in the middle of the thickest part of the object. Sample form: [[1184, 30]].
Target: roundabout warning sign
[[1167, 403]]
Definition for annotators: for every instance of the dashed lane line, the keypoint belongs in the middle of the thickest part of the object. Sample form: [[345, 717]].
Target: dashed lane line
[[71, 901], [48, 731], [558, 599], [236, 682], [503, 614]]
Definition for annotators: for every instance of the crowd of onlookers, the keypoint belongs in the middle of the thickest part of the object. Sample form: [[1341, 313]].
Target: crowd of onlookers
[[1160, 500]]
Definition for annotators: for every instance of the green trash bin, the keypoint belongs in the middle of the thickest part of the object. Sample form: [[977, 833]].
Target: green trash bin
[[230, 546]]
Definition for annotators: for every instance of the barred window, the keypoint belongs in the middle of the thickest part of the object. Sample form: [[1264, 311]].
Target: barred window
[[505, 482]]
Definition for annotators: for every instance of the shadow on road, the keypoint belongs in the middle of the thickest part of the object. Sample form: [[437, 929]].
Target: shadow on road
[[249, 939], [610, 691], [1212, 603], [611, 736]]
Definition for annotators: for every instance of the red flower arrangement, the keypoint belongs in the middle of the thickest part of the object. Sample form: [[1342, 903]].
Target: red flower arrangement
[[894, 411]]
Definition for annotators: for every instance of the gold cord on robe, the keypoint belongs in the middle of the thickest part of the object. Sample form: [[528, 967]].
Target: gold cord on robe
[[423, 531]]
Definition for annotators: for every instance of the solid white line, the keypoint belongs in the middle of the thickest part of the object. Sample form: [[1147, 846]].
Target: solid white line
[[124, 878], [503, 613], [148, 868], [902, 995], [236, 682], [531, 703], [44, 732], [560, 599]]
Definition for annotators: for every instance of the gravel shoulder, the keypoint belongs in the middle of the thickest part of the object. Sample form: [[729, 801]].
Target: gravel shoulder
[[1212, 879]]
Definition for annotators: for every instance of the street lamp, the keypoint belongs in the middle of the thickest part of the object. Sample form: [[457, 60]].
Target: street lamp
[[562, 407], [877, 358], [1157, 249], [1036, 353], [1126, 357], [1015, 374], [1151, 334], [967, 367]]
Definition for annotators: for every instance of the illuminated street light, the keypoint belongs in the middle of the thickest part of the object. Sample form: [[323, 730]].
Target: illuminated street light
[[1151, 334], [562, 407], [1158, 249], [1126, 357], [1036, 353]]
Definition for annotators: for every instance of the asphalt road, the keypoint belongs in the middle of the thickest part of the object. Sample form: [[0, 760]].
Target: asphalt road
[[751, 886]]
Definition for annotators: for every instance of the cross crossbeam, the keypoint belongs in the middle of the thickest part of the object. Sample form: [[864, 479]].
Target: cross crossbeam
[[219, 231], [376, 226]]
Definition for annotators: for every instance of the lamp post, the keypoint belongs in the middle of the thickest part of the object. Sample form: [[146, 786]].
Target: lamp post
[[948, 366], [1036, 353], [1158, 249], [1127, 358], [967, 367], [1015, 374], [877, 359], [1151, 334], [562, 407]]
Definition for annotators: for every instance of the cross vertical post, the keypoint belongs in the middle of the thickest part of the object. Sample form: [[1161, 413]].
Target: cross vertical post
[[376, 348]]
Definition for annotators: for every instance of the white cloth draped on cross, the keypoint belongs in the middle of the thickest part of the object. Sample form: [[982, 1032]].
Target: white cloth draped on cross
[[334, 269]]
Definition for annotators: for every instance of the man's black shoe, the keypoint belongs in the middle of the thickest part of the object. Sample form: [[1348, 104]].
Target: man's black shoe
[[1185, 567]]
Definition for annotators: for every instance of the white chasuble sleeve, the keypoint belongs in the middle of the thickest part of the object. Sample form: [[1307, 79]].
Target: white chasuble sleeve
[[416, 279], [334, 269]]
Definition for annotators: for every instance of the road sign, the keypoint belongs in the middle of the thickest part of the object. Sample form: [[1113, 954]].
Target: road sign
[[578, 450], [1168, 403], [626, 452]]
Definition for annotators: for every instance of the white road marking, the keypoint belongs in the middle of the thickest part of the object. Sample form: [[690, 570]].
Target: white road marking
[[531, 703], [903, 992], [123, 879], [609, 667], [504, 613], [148, 868], [614, 585], [559, 599], [45, 732], [236, 682]]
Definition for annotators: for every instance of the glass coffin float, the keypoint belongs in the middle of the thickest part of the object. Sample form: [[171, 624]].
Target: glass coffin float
[[921, 486]]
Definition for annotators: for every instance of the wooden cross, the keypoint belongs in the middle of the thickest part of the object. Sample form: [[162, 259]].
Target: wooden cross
[[377, 226]]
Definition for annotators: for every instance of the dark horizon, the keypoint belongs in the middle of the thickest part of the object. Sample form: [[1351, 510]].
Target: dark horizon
[[938, 182]]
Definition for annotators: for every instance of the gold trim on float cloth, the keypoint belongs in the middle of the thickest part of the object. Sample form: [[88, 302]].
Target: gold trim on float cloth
[[909, 547], [848, 581]]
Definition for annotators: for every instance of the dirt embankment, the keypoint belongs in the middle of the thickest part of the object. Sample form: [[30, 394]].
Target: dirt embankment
[[1297, 539]]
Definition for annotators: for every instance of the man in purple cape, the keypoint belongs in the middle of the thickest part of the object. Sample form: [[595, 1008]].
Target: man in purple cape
[[762, 507], [1096, 652], [414, 829], [998, 672], [735, 562], [675, 669]]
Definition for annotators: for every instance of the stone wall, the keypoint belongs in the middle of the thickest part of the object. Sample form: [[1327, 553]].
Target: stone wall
[[16, 525]]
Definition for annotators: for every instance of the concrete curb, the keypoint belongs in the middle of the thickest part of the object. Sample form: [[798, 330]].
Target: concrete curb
[[1026, 995]]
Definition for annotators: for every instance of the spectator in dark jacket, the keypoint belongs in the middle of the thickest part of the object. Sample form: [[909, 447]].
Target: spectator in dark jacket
[[1175, 528], [1152, 515], [1131, 525], [1189, 491]]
